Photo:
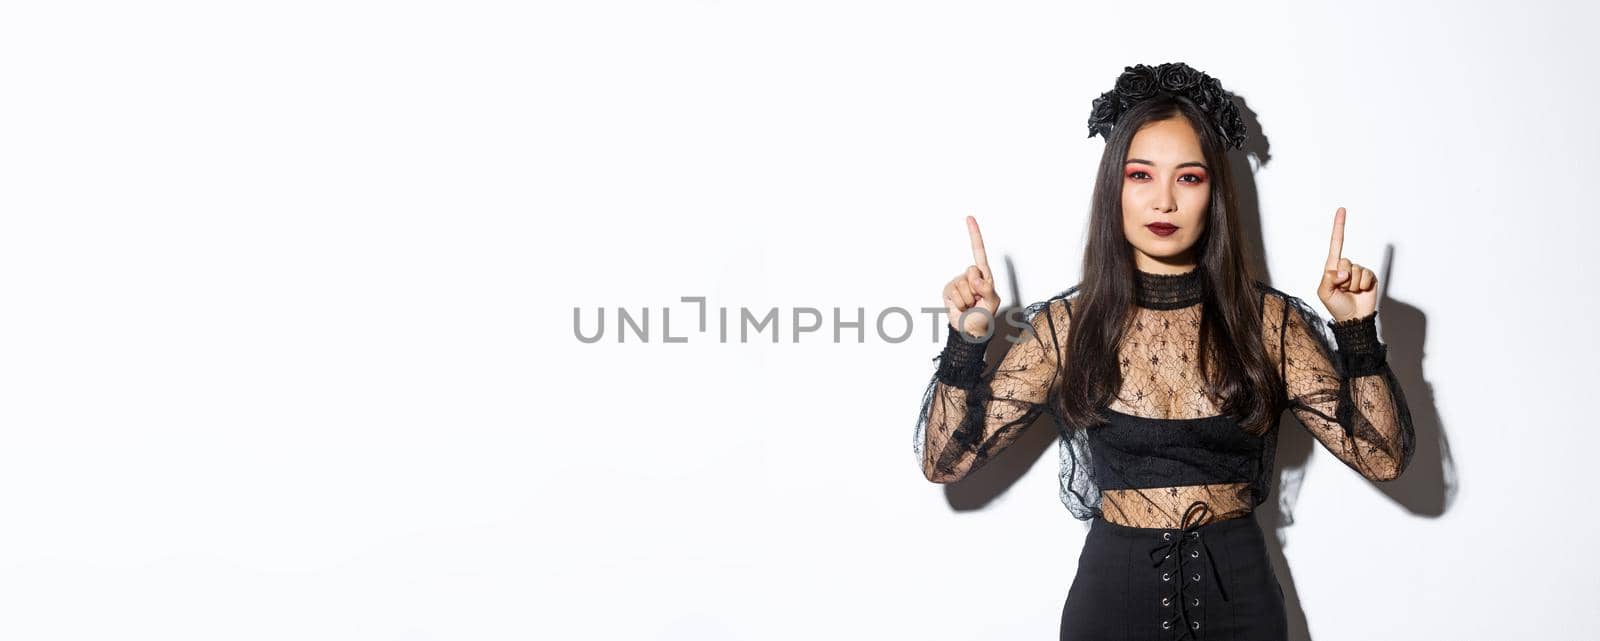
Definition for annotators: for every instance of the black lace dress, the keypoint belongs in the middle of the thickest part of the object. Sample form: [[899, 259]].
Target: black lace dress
[[1165, 477]]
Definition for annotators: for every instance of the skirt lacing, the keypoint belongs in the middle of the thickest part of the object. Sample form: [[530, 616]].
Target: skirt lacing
[[1188, 546]]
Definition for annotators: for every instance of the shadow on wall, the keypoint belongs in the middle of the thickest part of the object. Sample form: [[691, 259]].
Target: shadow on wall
[[1428, 486]]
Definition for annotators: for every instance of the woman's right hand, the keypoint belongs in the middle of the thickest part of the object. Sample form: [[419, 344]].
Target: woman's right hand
[[974, 287]]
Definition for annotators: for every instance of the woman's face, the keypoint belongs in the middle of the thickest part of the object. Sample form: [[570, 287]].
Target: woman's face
[[1165, 183]]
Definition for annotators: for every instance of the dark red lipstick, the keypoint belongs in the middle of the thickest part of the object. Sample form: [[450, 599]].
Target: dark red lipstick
[[1161, 229]]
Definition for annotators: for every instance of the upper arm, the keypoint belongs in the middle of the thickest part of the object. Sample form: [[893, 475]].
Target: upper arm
[[1032, 366]]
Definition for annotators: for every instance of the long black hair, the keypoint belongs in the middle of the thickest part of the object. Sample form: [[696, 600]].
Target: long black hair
[[1239, 377]]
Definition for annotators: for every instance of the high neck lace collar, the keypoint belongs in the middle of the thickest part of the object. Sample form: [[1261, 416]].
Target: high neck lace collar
[[1167, 291]]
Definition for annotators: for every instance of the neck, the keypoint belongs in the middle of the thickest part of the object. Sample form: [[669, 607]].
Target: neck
[[1168, 290]]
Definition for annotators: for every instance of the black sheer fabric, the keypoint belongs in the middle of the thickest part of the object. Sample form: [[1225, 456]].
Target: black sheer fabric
[[1162, 445]]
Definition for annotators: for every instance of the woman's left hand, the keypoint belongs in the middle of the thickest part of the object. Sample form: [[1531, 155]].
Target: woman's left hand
[[1348, 290]]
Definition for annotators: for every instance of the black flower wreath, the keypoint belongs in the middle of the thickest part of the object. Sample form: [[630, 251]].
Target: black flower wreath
[[1142, 82]]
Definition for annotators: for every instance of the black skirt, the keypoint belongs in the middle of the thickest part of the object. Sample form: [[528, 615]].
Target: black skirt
[[1206, 582]]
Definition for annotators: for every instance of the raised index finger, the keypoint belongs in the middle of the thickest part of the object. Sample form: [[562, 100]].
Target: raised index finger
[[1336, 245], [979, 256]]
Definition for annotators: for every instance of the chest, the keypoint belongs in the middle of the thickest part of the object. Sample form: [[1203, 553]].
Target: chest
[[1158, 358]]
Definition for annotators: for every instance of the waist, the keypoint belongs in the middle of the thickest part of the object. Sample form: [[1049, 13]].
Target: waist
[[1167, 507], [1220, 524]]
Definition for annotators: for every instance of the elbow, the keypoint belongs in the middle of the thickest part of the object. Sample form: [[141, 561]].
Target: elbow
[[1389, 470], [941, 475], [1385, 474]]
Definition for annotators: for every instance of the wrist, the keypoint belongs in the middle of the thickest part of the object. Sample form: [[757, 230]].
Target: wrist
[[1353, 319], [961, 363], [1357, 333], [1359, 349]]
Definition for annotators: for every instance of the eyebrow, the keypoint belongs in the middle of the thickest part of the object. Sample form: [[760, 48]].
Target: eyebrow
[[1181, 165]]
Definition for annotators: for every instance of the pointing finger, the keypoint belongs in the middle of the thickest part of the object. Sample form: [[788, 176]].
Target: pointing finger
[[1336, 244], [979, 256]]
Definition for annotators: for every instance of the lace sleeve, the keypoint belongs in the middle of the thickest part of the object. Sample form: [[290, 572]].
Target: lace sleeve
[[1349, 399], [971, 412]]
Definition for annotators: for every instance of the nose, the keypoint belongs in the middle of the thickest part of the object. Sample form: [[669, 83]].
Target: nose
[[1165, 201]]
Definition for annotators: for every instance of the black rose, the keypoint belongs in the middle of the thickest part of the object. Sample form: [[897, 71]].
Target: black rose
[[1175, 77], [1103, 113], [1207, 95], [1137, 82], [1232, 125]]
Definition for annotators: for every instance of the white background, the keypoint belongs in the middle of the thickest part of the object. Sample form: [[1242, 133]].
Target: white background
[[288, 337]]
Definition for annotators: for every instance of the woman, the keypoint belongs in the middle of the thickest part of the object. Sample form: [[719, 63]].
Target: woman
[[1166, 447]]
